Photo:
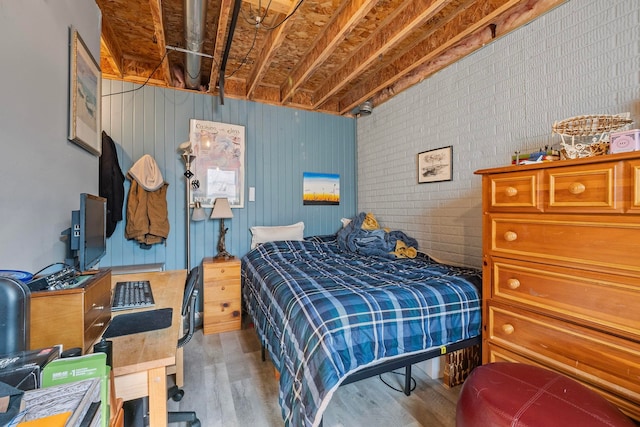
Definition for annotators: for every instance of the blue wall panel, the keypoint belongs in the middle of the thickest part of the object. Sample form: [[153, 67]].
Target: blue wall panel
[[281, 144]]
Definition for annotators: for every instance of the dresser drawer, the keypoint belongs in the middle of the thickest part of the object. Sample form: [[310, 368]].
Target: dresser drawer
[[589, 188], [605, 301], [635, 186], [516, 192], [563, 240], [499, 354], [605, 361]]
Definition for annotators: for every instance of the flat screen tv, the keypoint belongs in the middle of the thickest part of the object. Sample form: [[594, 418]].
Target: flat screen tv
[[88, 232]]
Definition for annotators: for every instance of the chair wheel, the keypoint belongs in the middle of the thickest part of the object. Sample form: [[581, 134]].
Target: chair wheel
[[178, 396]]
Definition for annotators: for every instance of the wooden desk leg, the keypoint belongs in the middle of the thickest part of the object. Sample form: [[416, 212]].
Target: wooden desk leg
[[157, 380], [180, 368]]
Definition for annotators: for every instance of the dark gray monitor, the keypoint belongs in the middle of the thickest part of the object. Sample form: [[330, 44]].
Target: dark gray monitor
[[88, 233]]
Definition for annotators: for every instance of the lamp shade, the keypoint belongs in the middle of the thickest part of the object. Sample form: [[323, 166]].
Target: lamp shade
[[198, 212], [221, 209]]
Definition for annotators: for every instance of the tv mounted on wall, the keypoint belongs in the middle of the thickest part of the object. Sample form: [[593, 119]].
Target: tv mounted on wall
[[88, 232]]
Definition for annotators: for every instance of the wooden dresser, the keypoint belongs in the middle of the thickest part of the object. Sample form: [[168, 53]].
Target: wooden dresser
[[73, 317], [222, 295], [561, 273]]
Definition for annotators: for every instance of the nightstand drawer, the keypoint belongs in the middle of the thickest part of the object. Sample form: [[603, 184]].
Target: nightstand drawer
[[518, 192], [603, 300], [222, 290], [596, 358], [588, 188], [564, 240], [222, 316], [221, 270]]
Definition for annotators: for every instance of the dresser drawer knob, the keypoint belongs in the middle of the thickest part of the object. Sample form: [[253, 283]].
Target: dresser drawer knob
[[510, 236], [511, 191], [508, 328], [513, 283], [99, 325], [576, 188], [98, 307]]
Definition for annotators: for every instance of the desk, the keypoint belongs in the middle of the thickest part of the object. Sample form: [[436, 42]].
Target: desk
[[140, 361]]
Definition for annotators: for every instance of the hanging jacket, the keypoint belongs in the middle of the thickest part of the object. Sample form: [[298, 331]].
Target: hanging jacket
[[111, 182], [147, 214]]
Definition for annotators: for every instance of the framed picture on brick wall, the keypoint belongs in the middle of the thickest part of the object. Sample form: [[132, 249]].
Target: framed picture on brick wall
[[435, 165]]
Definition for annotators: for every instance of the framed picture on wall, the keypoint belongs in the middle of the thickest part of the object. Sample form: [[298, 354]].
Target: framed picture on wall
[[219, 164], [435, 165], [84, 97]]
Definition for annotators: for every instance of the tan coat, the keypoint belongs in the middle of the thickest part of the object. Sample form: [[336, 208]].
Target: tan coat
[[147, 215]]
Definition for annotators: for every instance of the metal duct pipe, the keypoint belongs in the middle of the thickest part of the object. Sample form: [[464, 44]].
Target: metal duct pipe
[[195, 13]]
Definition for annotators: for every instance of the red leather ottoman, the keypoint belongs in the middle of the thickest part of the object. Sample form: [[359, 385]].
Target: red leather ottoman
[[520, 395]]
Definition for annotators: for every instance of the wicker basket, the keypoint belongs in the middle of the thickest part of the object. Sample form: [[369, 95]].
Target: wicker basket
[[589, 126]]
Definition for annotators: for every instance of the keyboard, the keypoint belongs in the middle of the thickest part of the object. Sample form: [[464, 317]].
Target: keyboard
[[130, 295]]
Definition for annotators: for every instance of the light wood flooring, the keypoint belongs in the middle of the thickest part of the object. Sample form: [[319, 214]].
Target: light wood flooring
[[228, 385]]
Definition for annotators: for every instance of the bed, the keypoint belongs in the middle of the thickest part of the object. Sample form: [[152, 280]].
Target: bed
[[327, 316]]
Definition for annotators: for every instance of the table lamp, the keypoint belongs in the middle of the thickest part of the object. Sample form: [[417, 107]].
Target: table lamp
[[222, 210]]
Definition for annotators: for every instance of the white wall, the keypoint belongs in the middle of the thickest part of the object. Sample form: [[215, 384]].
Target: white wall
[[581, 58], [41, 172]]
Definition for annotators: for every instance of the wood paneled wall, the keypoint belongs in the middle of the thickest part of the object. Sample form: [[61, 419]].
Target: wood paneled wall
[[281, 144]]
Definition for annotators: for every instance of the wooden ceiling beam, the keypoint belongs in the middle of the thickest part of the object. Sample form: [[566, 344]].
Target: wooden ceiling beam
[[272, 42], [507, 22], [402, 22], [333, 33], [464, 24], [109, 44], [158, 31], [226, 7]]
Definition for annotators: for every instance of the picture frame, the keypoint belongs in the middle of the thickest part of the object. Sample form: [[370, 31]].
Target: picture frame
[[85, 100], [218, 168], [320, 189], [435, 165]]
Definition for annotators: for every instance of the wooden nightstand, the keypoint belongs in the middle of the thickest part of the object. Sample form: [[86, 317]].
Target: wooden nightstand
[[222, 296]]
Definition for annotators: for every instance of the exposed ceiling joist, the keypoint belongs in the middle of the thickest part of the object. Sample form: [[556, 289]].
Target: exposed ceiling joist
[[327, 55]]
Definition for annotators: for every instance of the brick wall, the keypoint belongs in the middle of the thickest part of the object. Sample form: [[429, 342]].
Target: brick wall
[[581, 58]]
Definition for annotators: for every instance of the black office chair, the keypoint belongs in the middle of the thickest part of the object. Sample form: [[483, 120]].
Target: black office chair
[[137, 413], [189, 320]]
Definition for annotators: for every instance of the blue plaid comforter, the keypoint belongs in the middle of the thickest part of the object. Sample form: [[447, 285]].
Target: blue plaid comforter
[[323, 314]]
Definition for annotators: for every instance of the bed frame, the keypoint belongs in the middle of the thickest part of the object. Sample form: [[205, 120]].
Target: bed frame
[[403, 362]]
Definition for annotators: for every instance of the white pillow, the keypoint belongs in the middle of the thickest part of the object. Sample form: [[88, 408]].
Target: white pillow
[[263, 234]]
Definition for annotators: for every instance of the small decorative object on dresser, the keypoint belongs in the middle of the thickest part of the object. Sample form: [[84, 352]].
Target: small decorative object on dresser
[[593, 133], [221, 286], [622, 142], [561, 284]]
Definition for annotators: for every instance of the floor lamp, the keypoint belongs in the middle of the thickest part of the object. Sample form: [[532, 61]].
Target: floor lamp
[[189, 158]]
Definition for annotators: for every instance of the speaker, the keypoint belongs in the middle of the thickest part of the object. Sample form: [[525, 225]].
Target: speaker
[[14, 315]]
